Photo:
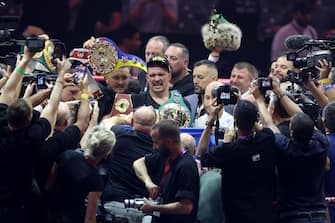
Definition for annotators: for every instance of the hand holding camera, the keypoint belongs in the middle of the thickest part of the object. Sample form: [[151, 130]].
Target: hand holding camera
[[324, 68], [256, 92]]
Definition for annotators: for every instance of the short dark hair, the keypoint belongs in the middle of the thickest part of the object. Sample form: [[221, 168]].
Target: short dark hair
[[246, 115], [302, 127], [250, 68], [168, 129], [18, 113], [328, 115], [207, 63]]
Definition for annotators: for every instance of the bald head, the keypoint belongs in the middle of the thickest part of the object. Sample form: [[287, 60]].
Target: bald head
[[144, 117], [188, 142]]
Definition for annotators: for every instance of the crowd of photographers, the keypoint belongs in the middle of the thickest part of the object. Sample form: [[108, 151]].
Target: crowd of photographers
[[266, 151]]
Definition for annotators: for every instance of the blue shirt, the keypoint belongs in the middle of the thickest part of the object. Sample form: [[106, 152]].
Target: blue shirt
[[330, 175], [301, 170]]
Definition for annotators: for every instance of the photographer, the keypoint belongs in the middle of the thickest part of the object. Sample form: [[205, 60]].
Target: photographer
[[301, 165], [225, 119], [20, 139], [247, 162], [282, 108]]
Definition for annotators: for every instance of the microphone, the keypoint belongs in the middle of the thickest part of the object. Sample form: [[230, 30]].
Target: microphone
[[296, 42]]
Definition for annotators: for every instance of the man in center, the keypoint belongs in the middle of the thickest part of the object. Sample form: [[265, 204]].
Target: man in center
[[170, 104]]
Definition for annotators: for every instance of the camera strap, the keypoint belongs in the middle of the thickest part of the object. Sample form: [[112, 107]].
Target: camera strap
[[217, 129]]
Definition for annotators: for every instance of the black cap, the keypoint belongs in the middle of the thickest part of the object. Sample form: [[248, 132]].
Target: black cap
[[159, 61]]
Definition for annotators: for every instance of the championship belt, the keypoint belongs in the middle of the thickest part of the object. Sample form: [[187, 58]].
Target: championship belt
[[176, 109], [80, 54], [122, 105], [106, 57]]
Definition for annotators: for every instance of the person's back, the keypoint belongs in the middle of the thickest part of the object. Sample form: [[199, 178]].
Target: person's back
[[122, 182], [301, 164], [247, 180], [248, 167], [329, 123], [75, 176]]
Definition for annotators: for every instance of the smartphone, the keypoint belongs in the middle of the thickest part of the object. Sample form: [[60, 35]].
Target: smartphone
[[79, 74], [40, 79]]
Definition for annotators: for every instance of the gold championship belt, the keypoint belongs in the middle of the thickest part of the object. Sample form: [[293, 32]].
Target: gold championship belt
[[176, 109], [122, 105], [105, 57]]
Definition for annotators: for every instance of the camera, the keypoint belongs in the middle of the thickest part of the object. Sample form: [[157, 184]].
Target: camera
[[225, 95], [311, 60], [302, 75], [40, 79], [35, 44], [59, 50], [9, 59], [136, 203], [264, 84], [79, 74]]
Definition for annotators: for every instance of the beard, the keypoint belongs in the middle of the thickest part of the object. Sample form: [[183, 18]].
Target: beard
[[164, 151], [199, 91], [176, 73]]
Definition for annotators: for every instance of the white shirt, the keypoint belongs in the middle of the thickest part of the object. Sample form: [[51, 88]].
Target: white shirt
[[226, 121]]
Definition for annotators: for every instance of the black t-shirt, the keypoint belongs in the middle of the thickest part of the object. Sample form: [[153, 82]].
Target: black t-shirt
[[122, 181], [52, 148], [301, 172], [144, 98], [181, 182], [106, 102], [76, 176], [248, 176], [17, 151], [185, 86]]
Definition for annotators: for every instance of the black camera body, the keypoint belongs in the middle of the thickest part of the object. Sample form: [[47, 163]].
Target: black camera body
[[302, 75], [9, 59], [311, 60], [226, 95], [264, 83], [35, 44]]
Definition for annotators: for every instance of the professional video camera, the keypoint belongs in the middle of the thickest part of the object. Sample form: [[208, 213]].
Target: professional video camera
[[306, 64], [9, 44], [225, 95]]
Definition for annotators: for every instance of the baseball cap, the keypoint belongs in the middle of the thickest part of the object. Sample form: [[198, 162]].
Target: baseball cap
[[159, 61]]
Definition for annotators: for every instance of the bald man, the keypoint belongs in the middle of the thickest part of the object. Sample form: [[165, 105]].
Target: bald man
[[188, 142], [130, 145]]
